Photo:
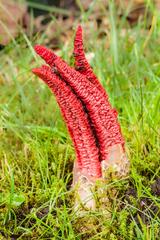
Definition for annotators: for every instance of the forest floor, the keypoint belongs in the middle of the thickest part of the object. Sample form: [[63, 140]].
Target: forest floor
[[36, 152]]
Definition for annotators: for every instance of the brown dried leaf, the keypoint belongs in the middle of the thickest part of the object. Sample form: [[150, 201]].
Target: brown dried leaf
[[11, 15], [136, 9]]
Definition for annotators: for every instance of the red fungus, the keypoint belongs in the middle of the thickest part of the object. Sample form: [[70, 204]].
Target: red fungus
[[92, 122], [103, 117]]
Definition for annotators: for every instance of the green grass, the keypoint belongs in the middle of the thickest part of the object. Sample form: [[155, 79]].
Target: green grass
[[36, 152]]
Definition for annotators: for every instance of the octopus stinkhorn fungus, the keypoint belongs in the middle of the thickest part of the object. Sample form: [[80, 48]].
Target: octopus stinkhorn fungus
[[92, 122]]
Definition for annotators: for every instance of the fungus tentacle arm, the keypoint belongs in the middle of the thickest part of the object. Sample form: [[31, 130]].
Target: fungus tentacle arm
[[81, 63], [76, 120]]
